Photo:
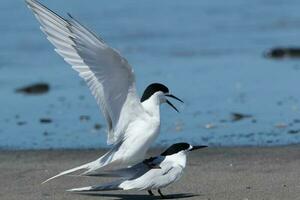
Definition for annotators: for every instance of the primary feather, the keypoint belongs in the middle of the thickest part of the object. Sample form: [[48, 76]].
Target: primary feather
[[132, 125], [107, 74]]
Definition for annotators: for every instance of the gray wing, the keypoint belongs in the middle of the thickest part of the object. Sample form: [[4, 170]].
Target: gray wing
[[133, 171], [107, 74]]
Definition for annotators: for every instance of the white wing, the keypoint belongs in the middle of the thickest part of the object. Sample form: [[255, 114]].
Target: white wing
[[153, 179], [108, 75]]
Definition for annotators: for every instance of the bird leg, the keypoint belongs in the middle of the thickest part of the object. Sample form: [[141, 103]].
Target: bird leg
[[162, 196], [150, 193]]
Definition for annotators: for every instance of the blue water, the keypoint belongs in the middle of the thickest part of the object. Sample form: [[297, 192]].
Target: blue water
[[209, 53]]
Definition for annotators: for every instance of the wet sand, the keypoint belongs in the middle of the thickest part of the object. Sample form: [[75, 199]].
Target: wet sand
[[213, 173]]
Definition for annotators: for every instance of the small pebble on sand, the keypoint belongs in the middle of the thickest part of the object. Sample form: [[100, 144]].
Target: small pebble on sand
[[34, 89]]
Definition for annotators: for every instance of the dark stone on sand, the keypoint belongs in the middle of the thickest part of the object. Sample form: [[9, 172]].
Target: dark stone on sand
[[21, 123], [84, 118], [97, 126], [249, 135], [239, 116], [34, 89], [45, 120], [45, 133], [294, 131], [283, 52], [297, 121]]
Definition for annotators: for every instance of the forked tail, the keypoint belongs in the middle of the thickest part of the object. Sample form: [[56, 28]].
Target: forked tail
[[89, 167], [104, 187], [85, 166]]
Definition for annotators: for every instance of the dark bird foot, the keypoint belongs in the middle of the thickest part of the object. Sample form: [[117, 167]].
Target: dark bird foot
[[161, 195], [150, 193]]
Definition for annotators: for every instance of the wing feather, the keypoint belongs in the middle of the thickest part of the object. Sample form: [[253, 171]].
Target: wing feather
[[107, 74]]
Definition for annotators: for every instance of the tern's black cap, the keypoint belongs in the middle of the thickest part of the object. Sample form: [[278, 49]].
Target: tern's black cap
[[175, 148], [152, 88]]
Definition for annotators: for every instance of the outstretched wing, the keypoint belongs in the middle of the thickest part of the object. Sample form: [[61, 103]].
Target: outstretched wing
[[107, 74]]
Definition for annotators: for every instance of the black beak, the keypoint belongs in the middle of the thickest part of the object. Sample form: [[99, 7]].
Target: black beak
[[172, 96], [168, 102], [198, 147]]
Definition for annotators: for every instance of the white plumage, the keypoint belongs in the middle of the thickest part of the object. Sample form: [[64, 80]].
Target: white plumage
[[108, 75], [132, 126], [154, 173], [142, 177]]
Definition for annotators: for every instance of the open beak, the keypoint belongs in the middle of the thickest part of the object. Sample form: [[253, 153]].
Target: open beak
[[172, 96], [168, 102], [198, 147]]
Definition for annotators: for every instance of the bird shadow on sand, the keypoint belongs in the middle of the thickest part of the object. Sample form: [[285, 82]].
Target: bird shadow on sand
[[139, 196]]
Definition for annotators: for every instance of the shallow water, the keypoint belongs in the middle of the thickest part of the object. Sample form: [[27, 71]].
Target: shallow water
[[209, 53]]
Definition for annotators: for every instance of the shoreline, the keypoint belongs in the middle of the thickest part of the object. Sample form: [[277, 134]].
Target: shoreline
[[154, 148], [221, 173]]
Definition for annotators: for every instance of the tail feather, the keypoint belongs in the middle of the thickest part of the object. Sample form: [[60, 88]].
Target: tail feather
[[105, 160], [104, 187], [85, 166]]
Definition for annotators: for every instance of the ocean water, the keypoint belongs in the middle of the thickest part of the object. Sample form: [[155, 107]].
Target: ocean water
[[209, 53]]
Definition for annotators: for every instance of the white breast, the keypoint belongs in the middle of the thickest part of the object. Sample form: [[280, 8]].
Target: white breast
[[140, 133]]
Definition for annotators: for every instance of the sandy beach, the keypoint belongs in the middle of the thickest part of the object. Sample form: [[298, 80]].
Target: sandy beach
[[213, 173]]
